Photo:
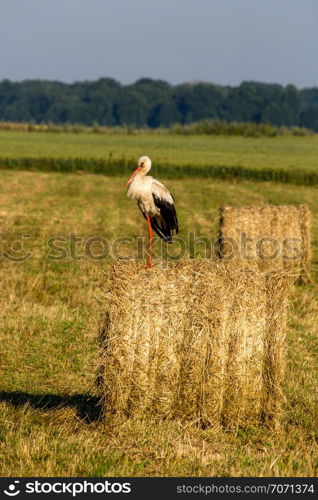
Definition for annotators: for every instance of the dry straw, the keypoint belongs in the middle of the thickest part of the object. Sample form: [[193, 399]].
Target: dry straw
[[268, 237], [193, 339]]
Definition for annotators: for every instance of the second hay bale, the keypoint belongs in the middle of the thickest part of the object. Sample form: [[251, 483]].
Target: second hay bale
[[268, 236], [194, 339]]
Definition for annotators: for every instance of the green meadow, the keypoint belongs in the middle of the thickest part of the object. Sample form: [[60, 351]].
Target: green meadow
[[287, 152]]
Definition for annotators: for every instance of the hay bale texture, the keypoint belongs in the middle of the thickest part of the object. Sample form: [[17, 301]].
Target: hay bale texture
[[193, 339], [267, 237]]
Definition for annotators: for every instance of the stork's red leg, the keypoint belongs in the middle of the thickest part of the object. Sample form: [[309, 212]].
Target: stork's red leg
[[150, 242]]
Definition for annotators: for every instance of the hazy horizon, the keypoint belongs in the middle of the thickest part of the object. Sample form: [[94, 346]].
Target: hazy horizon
[[194, 82]]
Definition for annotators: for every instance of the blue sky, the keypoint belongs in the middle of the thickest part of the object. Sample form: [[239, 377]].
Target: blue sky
[[220, 41]]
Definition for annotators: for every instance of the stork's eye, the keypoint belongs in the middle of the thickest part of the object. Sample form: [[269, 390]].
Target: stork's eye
[[142, 164]]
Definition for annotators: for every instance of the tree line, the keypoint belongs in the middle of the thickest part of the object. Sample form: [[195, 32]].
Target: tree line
[[156, 103]]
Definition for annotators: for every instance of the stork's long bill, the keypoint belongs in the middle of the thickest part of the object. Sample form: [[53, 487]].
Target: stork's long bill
[[132, 176]]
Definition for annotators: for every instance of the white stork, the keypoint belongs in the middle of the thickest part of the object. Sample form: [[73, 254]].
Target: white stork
[[155, 202]]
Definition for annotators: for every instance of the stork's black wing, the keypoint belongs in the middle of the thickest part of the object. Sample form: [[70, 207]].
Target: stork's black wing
[[167, 221]]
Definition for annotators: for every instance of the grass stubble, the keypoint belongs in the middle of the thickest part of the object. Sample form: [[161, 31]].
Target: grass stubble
[[48, 410]]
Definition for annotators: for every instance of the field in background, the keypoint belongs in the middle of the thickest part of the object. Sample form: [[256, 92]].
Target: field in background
[[286, 153], [48, 415]]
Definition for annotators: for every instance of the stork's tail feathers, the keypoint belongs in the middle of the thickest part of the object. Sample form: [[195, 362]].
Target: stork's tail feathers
[[164, 232]]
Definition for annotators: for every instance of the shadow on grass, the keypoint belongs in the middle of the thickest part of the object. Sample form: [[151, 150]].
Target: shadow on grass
[[88, 407]]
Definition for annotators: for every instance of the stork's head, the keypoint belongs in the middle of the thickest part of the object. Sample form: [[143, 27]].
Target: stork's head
[[143, 167], [144, 163]]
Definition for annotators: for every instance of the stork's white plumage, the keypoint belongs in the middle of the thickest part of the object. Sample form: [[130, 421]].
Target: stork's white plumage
[[155, 202]]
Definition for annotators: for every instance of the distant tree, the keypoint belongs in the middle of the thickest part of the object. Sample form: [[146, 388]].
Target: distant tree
[[195, 102], [130, 108], [155, 103], [309, 105], [243, 103], [164, 114], [309, 97], [309, 118]]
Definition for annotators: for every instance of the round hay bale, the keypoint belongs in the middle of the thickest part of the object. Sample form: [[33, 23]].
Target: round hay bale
[[267, 237], [193, 339]]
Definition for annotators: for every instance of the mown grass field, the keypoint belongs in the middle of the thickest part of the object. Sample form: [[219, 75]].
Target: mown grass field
[[48, 407], [278, 152]]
